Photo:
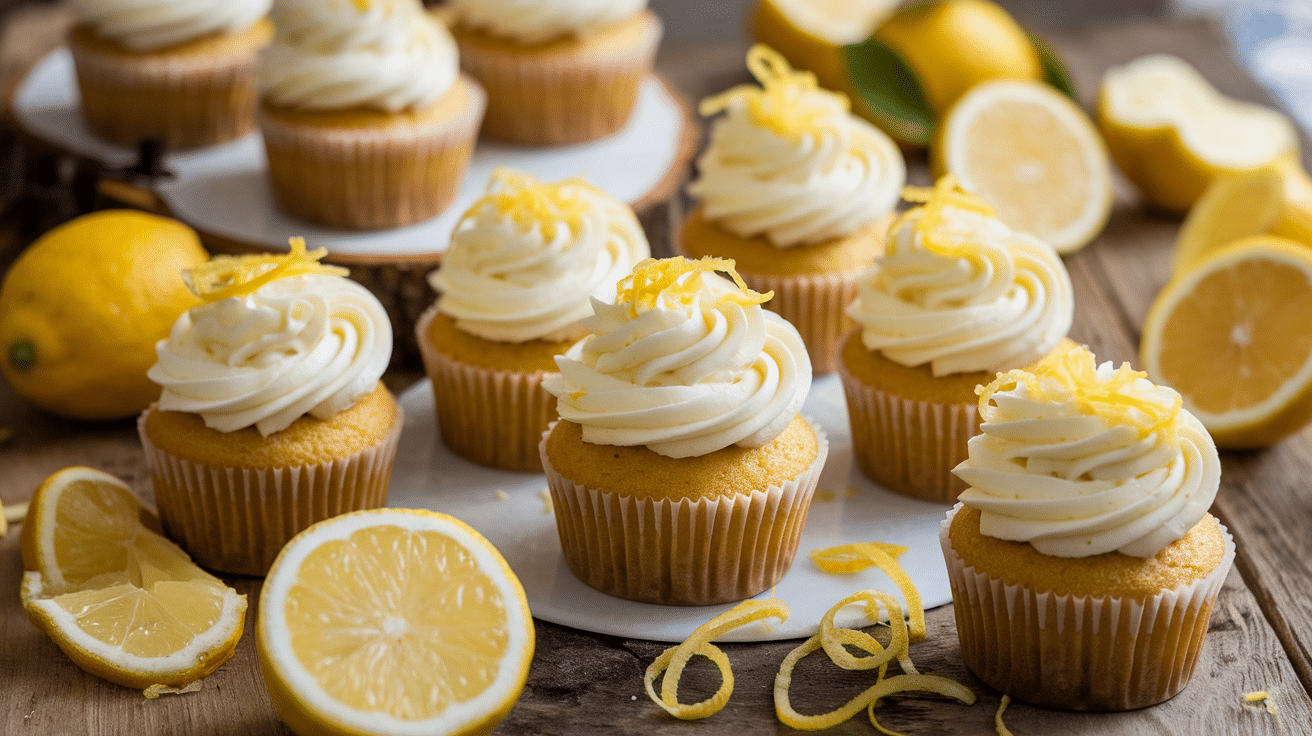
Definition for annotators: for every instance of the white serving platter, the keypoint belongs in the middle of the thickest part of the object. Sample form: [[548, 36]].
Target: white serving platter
[[509, 509]]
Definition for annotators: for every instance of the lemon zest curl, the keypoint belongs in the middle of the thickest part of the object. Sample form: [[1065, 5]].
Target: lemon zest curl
[[224, 277]]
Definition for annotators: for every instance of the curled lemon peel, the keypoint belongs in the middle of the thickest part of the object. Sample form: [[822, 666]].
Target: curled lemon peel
[[998, 725], [224, 277], [857, 556], [928, 218], [528, 201], [673, 660], [834, 639], [1075, 372], [665, 281], [779, 103]]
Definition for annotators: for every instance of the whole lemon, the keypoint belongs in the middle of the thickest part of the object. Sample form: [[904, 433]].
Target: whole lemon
[[82, 308], [952, 45]]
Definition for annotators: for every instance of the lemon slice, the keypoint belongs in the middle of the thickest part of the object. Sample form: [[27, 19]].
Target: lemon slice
[[1033, 155], [123, 602], [1172, 133], [1271, 200], [1231, 336], [393, 621]]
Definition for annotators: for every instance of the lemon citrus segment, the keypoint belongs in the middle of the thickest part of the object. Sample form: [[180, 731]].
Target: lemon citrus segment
[[1231, 336], [1171, 132], [393, 621], [1032, 154]]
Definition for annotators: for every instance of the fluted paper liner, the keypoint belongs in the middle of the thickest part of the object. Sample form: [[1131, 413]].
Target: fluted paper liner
[[236, 520], [1080, 653], [371, 178], [490, 417], [684, 552], [816, 304], [908, 446]]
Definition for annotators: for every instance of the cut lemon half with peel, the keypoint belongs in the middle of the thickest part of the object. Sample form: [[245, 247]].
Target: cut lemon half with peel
[[123, 602], [1272, 200], [1171, 132], [393, 621], [811, 34], [1231, 335], [1033, 155]]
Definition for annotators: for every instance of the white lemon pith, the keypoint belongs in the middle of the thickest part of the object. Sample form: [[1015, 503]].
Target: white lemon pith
[[393, 621]]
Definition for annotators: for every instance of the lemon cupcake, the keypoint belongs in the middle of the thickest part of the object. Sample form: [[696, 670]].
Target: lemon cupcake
[[1082, 560], [556, 71], [957, 298], [180, 71], [680, 471], [798, 192], [513, 285], [367, 121], [272, 416]]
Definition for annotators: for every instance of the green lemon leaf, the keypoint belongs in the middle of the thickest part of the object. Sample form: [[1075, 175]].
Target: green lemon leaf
[[1054, 71], [890, 91]]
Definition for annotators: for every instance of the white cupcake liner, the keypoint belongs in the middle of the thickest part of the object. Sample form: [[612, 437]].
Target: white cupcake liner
[[236, 519], [490, 417], [816, 304], [1080, 652], [682, 552]]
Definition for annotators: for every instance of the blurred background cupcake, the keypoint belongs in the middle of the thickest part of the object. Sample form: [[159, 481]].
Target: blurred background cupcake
[[184, 72], [1082, 560], [798, 192], [680, 470], [366, 118], [957, 298], [523, 265], [272, 415], [556, 71]]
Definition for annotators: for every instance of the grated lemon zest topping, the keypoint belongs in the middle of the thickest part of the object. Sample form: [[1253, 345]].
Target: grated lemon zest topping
[[998, 725], [1076, 372], [224, 277], [778, 104], [849, 558], [363, 5], [528, 201], [946, 192], [1263, 697], [666, 281]]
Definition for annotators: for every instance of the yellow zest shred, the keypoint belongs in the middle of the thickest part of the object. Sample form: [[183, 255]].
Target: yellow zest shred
[[363, 5], [998, 725], [946, 192], [656, 281], [156, 690], [849, 558], [527, 201], [673, 660], [547, 507], [1263, 697], [1076, 372], [778, 104], [224, 277]]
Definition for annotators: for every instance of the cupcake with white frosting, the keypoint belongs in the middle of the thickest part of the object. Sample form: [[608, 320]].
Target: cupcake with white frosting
[[556, 71], [1082, 559], [180, 70], [523, 265], [956, 298], [680, 471], [272, 415], [798, 192], [366, 118]]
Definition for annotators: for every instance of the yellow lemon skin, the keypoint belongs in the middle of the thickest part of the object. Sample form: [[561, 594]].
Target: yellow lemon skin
[[82, 308], [955, 44]]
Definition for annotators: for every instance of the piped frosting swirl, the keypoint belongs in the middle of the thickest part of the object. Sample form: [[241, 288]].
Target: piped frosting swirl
[[147, 25]]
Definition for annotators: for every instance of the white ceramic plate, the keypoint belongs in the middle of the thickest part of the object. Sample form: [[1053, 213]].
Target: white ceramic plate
[[223, 190], [848, 508]]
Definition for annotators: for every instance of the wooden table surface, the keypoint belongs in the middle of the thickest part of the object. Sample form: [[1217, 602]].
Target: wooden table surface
[[581, 683]]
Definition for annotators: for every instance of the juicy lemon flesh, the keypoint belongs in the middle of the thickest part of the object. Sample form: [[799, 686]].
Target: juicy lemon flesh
[[1233, 207], [1239, 336], [1035, 176], [148, 623], [408, 637]]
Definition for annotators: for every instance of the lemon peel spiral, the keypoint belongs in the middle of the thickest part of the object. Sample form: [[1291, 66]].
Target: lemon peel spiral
[[224, 277], [778, 103], [662, 281], [930, 216]]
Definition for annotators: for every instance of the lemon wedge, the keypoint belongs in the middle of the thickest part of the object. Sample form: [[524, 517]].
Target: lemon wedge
[[1272, 200], [393, 621]]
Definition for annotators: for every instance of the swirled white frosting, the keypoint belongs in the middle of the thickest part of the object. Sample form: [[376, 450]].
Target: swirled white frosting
[[145, 25], [683, 379], [331, 55], [512, 279], [311, 344], [810, 187], [1004, 304], [1075, 484], [534, 21]]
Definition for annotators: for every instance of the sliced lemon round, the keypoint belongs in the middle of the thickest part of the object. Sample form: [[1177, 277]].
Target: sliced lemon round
[[1171, 132], [393, 621], [1231, 336], [1033, 155], [123, 602]]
